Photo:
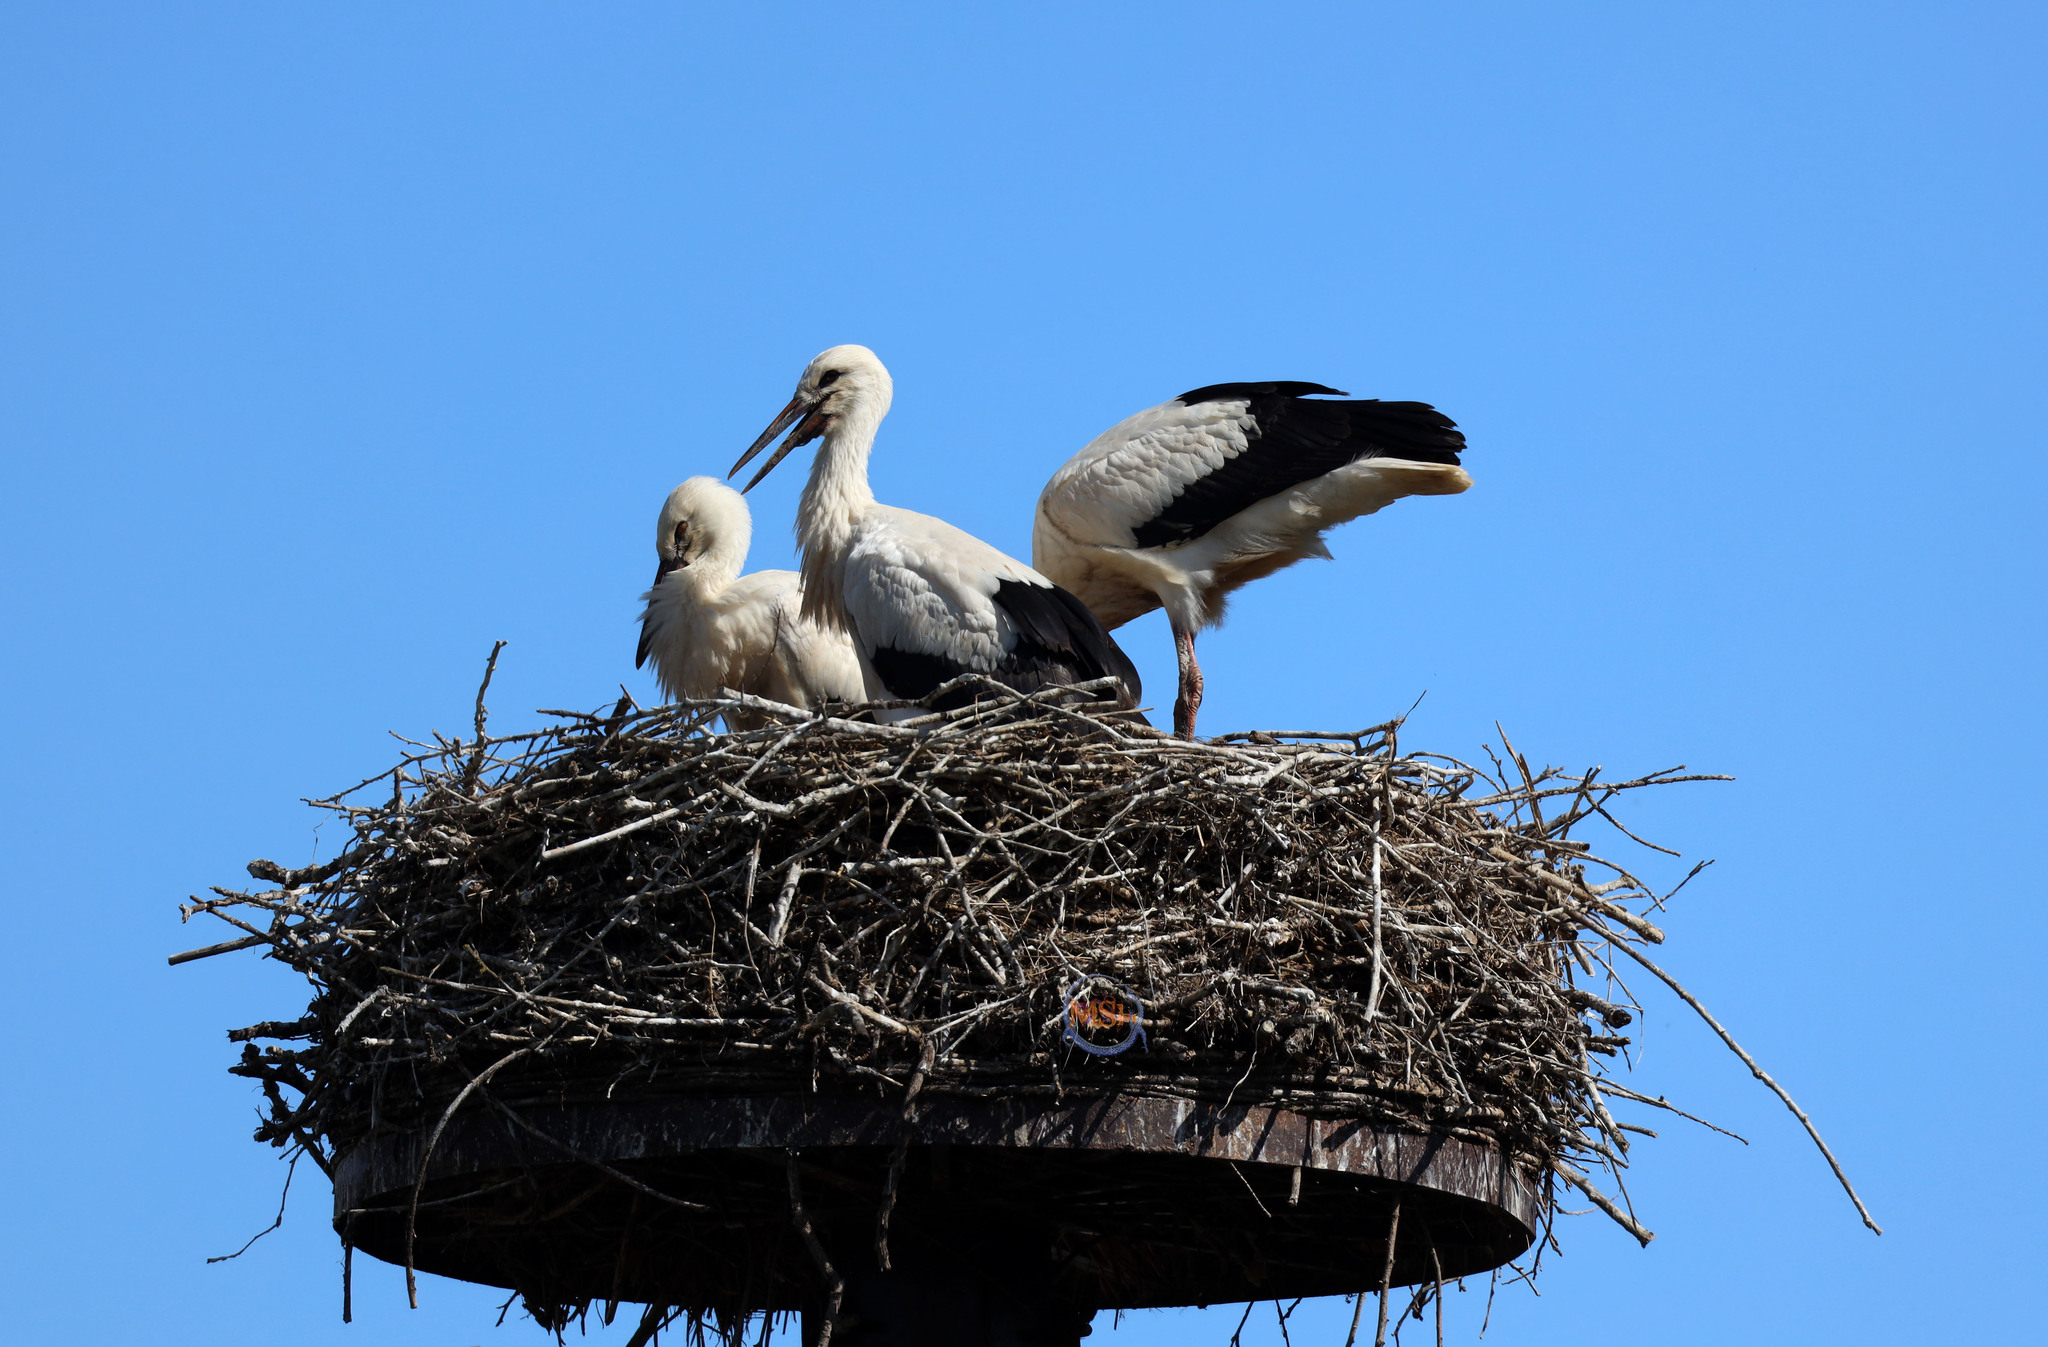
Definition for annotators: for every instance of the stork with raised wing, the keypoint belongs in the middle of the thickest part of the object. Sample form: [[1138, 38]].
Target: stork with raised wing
[[708, 627], [923, 601], [1179, 505]]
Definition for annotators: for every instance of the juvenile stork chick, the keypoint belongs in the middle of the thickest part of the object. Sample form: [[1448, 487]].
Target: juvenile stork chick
[[707, 627]]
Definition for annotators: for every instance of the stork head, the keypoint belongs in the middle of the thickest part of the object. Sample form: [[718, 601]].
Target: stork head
[[842, 382], [705, 522]]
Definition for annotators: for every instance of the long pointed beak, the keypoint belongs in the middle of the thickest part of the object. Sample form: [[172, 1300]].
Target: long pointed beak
[[808, 429]]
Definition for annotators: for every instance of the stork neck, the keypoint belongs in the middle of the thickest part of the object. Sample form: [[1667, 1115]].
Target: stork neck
[[725, 558], [835, 500], [713, 572], [837, 494]]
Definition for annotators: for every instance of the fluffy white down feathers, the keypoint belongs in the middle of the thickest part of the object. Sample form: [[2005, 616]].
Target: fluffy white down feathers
[[707, 627]]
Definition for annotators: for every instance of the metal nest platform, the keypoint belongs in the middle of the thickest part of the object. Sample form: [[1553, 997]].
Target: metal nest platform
[[1107, 1203]]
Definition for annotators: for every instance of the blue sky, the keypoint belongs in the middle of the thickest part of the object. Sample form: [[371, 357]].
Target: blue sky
[[337, 342]]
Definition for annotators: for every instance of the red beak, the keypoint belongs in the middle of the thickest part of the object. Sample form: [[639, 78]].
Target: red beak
[[808, 428]]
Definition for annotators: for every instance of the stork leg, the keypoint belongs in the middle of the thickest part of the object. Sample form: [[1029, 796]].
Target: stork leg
[[1190, 699]]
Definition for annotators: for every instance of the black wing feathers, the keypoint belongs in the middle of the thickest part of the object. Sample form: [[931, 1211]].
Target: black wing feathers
[[647, 619], [1058, 642], [910, 674], [1230, 392], [1058, 635], [1292, 441]]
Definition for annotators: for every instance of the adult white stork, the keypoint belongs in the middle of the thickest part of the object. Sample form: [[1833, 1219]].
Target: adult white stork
[[1179, 505], [923, 601], [709, 627]]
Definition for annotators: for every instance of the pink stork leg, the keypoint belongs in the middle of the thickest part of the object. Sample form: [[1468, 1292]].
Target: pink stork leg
[[1190, 699]]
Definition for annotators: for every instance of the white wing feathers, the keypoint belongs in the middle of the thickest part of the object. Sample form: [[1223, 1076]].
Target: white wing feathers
[[1135, 469], [918, 584], [1120, 527]]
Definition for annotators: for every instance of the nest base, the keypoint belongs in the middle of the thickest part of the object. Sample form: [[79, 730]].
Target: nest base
[[1111, 1202]]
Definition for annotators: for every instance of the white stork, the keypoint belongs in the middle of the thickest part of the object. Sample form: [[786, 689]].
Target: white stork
[[709, 627], [1179, 505], [923, 601]]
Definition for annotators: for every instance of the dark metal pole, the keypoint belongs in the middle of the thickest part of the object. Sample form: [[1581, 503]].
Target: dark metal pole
[[928, 1306]]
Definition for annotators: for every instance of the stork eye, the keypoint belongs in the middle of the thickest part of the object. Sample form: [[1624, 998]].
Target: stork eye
[[825, 379]]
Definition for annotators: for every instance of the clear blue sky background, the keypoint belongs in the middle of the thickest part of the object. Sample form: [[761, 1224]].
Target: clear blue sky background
[[337, 341]]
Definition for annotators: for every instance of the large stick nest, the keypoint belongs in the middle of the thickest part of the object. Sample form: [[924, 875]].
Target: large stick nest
[[647, 907]]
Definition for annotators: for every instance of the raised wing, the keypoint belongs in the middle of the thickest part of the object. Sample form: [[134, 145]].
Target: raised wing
[[1176, 471]]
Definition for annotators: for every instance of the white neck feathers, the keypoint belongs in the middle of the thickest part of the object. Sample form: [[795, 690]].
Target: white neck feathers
[[835, 500]]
